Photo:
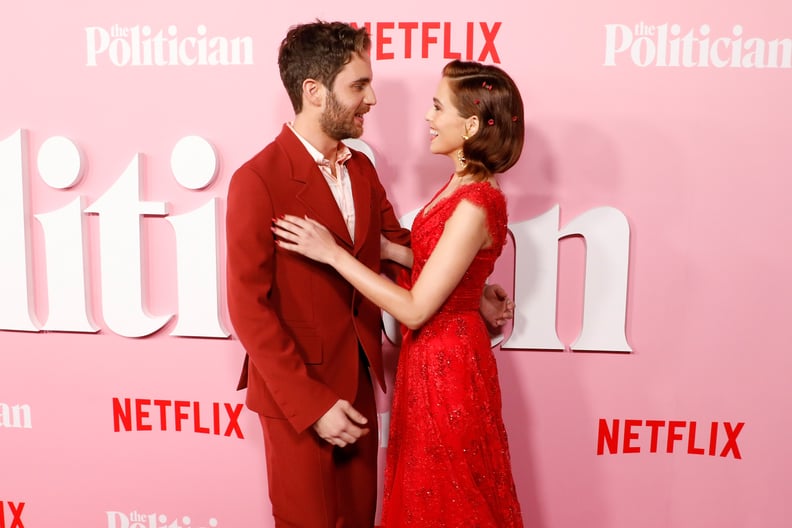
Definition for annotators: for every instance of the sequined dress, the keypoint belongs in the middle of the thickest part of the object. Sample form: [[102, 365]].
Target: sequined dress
[[448, 456]]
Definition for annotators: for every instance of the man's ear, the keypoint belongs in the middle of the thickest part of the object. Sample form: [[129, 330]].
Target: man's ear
[[313, 92]]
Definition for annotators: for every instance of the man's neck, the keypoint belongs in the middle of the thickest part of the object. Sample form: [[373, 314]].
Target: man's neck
[[312, 132]]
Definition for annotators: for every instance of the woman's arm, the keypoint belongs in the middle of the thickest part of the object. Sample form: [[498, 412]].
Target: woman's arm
[[495, 306], [465, 233]]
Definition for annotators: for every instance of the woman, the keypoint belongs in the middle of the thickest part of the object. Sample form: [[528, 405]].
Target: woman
[[448, 457]]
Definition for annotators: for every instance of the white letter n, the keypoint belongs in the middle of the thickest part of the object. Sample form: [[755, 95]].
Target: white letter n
[[607, 236]]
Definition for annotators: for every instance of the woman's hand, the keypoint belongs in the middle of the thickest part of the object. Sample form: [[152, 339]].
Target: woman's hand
[[306, 237]]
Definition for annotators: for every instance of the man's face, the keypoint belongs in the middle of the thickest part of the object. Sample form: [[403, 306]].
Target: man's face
[[351, 97]]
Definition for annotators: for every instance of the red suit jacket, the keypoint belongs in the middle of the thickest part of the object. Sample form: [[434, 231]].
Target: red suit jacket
[[299, 321]]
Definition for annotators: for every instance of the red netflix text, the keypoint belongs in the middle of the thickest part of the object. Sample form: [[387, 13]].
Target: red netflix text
[[653, 436], [176, 415], [448, 40], [15, 514]]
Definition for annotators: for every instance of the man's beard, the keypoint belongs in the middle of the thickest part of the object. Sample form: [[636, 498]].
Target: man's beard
[[337, 121]]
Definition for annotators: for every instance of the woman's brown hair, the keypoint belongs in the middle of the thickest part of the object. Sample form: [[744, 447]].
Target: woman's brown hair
[[490, 94]]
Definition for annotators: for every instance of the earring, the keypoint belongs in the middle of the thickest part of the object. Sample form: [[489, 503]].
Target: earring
[[461, 157], [465, 137]]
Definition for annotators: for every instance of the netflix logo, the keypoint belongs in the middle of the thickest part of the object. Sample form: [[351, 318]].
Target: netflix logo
[[661, 436], [447, 40], [11, 514], [141, 414]]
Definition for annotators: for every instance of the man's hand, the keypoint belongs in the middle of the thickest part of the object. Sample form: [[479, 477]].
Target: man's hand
[[340, 425], [496, 307]]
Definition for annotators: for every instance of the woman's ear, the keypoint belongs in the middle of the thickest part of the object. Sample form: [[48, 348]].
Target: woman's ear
[[472, 125]]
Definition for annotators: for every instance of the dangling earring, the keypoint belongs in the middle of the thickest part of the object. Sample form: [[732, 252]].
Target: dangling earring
[[461, 157]]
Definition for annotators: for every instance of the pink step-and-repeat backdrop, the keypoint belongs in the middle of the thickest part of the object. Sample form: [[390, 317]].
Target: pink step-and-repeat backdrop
[[646, 373]]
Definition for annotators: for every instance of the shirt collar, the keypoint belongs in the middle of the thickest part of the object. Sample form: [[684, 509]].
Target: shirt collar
[[342, 154]]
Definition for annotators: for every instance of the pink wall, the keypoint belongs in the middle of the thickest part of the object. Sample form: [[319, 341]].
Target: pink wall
[[691, 158]]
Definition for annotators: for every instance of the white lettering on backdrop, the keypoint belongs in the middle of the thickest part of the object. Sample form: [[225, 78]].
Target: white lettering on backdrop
[[119, 211], [194, 165]]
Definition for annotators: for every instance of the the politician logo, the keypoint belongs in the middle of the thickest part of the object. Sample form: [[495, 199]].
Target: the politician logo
[[135, 519], [138, 45], [11, 514], [142, 414], [672, 45], [16, 416]]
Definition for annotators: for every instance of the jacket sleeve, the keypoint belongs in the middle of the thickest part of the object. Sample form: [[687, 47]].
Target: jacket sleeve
[[391, 229], [250, 271]]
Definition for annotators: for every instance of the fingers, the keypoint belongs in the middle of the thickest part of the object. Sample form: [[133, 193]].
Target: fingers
[[290, 232], [505, 316], [350, 437], [346, 438], [354, 415], [350, 432], [508, 314], [292, 219], [502, 296], [340, 426], [286, 225], [289, 223], [311, 222], [284, 234]]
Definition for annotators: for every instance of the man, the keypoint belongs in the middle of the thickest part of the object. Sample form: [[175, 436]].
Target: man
[[313, 343]]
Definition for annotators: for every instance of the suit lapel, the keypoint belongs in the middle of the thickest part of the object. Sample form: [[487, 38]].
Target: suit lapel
[[361, 194], [322, 207], [315, 193]]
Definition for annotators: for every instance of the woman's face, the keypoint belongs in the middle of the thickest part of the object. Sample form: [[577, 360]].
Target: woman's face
[[446, 126]]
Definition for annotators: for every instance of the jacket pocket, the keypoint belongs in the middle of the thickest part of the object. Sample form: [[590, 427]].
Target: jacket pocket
[[308, 343]]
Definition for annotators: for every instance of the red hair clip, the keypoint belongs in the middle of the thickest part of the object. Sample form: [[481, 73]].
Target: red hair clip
[[491, 122]]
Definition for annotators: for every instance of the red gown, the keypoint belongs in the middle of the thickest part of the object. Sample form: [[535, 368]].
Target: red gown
[[448, 457]]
